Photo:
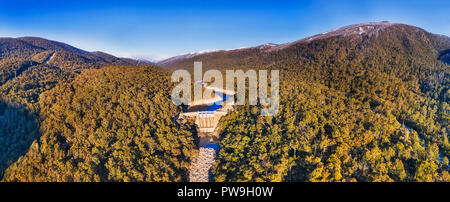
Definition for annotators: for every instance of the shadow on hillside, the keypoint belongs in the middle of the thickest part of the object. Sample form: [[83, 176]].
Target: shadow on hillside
[[18, 129], [444, 56]]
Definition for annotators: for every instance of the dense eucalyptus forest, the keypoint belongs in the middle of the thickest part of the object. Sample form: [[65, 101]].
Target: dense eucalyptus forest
[[364, 107], [370, 106]]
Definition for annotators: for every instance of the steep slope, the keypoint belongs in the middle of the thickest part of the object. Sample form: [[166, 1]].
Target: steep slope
[[30, 66], [366, 102], [110, 124], [267, 54], [52, 45], [64, 56]]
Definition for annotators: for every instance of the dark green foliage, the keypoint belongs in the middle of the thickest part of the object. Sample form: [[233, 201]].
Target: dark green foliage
[[353, 108], [18, 129], [111, 124], [28, 67], [26, 88], [345, 101]]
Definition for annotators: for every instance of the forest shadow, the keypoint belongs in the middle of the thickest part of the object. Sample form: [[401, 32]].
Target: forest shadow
[[19, 127], [444, 56]]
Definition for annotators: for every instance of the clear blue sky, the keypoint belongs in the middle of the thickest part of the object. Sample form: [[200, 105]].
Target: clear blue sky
[[160, 29]]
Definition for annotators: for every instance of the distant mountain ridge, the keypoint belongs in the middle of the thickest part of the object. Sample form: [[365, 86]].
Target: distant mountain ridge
[[30, 66], [66, 56], [364, 31], [367, 102]]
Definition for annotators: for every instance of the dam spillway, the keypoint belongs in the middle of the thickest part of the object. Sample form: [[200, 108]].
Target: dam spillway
[[207, 117]]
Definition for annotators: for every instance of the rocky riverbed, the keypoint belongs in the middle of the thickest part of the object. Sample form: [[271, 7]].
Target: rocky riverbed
[[200, 168]]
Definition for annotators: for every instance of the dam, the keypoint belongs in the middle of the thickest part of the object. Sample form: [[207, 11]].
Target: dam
[[206, 115]]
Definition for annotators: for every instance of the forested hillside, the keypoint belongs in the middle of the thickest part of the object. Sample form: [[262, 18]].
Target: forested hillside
[[363, 103], [367, 102], [110, 124], [28, 67]]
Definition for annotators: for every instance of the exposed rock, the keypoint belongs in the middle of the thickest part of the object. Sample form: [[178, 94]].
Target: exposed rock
[[200, 169]]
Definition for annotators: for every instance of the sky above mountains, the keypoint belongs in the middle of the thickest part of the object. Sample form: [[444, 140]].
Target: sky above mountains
[[160, 29]]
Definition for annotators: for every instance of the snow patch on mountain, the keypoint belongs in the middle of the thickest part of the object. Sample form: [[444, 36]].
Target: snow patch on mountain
[[360, 30], [369, 29]]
